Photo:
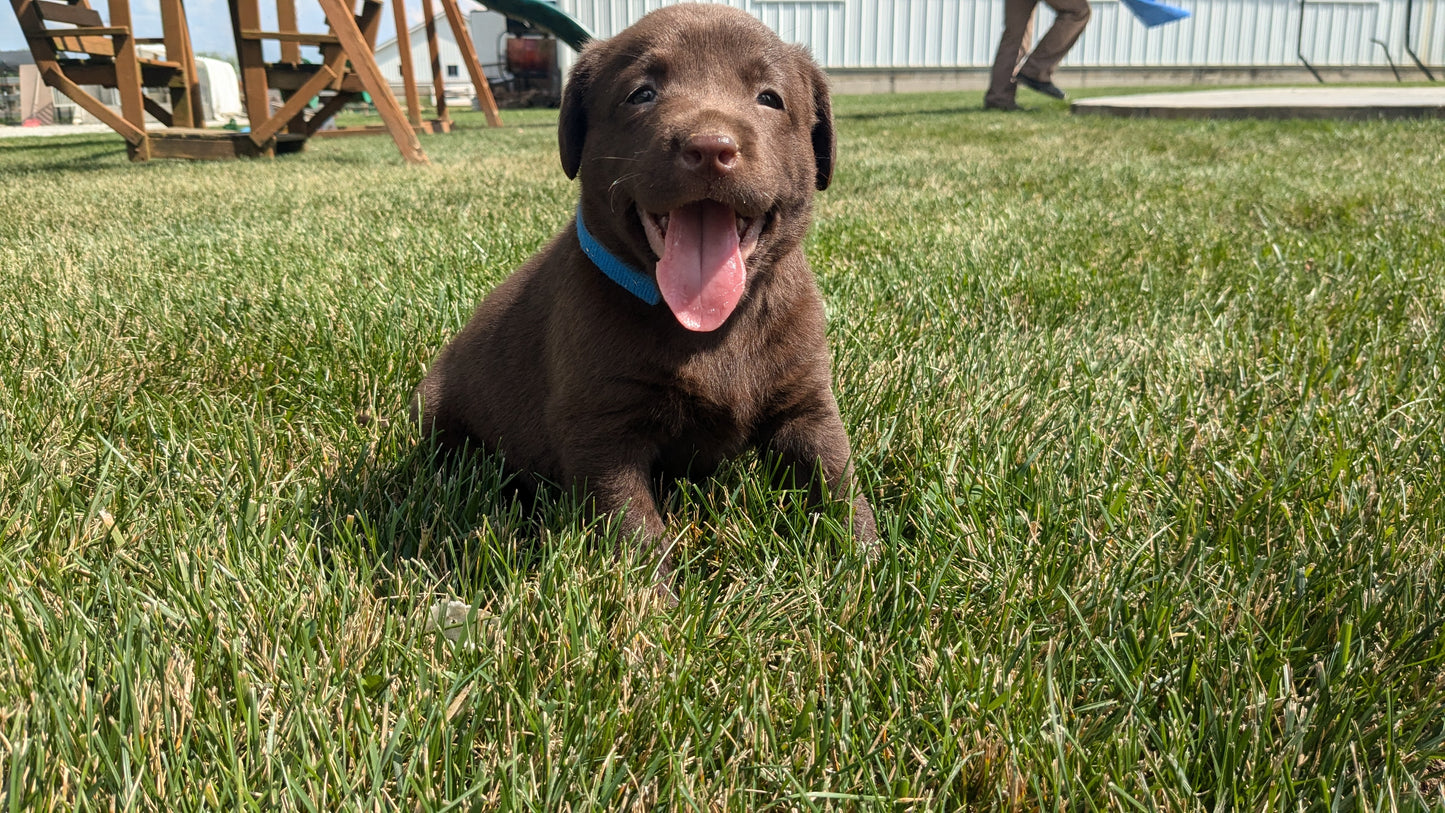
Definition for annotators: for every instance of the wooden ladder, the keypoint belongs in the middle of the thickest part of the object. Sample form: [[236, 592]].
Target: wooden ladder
[[73, 46]]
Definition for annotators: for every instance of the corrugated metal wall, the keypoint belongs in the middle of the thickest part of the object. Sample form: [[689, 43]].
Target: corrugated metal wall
[[964, 33]]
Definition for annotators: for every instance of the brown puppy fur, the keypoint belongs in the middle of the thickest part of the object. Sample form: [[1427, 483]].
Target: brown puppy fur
[[575, 380]]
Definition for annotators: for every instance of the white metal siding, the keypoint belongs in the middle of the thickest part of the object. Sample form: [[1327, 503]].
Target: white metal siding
[[905, 34], [388, 59]]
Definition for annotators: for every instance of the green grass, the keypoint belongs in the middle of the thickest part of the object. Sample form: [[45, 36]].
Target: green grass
[[1151, 413]]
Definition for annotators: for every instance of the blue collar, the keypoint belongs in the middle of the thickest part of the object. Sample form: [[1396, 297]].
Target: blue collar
[[633, 281]]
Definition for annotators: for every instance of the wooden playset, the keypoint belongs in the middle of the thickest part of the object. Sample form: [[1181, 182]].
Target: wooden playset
[[73, 46]]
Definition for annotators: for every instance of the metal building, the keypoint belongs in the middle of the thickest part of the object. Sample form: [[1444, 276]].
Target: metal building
[[1224, 40], [457, 82]]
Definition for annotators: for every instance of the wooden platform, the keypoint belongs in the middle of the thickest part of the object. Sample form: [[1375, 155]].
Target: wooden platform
[[213, 145]]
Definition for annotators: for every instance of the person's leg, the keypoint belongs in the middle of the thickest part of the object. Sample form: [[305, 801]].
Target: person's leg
[[1018, 23], [1027, 43], [1073, 15]]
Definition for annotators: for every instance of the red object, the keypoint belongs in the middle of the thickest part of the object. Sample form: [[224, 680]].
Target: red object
[[531, 54], [30, 123]]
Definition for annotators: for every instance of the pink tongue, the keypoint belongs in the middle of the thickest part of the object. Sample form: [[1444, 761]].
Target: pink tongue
[[701, 273]]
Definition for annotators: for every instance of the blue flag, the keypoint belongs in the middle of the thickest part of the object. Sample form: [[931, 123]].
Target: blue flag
[[1152, 14]]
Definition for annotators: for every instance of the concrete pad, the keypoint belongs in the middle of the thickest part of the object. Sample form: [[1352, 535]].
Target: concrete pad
[[1321, 102], [55, 130]]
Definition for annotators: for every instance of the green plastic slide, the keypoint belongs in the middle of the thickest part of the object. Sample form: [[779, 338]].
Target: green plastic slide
[[545, 16]]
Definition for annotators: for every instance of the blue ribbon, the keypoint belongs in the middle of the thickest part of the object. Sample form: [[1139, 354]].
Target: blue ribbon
[[633, 281]]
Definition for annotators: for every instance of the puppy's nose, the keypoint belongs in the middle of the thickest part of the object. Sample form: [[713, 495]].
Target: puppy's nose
[[714, 153]]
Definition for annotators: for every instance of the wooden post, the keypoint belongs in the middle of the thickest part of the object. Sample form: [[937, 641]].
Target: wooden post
[[474, 66], [439, 83], [246, 16], [127, 77], [286, 22], [369, 21], [363, 61], [408, 71], [186, 109], [193, 77], [290, 53]]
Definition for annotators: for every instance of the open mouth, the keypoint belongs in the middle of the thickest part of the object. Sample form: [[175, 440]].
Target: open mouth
[[702, 249], [655, 226]]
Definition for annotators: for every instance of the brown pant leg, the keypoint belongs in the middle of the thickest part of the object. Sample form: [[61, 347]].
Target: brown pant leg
[[1073, 15], [1018, 24]]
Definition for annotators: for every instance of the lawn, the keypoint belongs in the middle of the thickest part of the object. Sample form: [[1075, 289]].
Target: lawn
[[1151, 414]]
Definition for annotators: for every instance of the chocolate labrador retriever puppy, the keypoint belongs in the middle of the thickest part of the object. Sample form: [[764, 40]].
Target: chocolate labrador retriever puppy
[[675, 322]]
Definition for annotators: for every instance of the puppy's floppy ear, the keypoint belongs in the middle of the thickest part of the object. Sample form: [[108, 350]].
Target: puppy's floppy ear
[[572, 120], [825, 143]]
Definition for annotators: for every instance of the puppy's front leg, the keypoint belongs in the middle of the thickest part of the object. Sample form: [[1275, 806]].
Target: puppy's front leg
[[624, 489], [813, 441]]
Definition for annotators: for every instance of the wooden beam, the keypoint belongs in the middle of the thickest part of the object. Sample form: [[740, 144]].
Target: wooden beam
[[94, 46], [289, 78], [286, 21], [193, 77], [364, 63], [127, 76], [186, 109], [439, 84], [95, 41], [474, 66], [291, 82], [347, 132], [207, 147], [328, 109], [87, 31], [66, 13], [369, 21], [408, 71], [246, 16], [293, 107], [162, 115], [175, 144], [290, 37], [57, 79], [210, 145], [82, 73]]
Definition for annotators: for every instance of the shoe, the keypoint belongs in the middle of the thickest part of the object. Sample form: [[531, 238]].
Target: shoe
[[1005, 107], [1046, 88]]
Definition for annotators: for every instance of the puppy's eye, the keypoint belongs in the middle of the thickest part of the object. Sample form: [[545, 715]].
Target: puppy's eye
[[642, 95], [770, 99]]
